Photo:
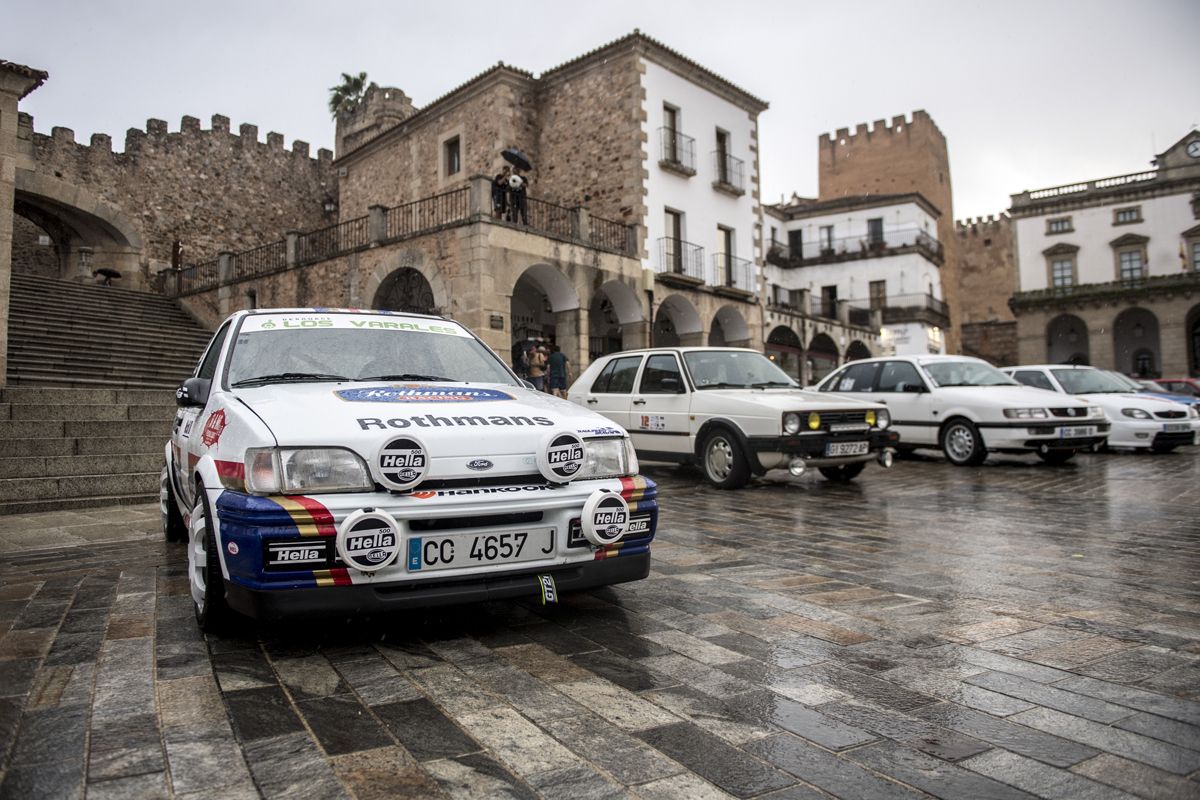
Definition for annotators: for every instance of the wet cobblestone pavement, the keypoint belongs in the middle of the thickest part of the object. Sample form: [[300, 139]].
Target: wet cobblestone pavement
[[1017, 630]]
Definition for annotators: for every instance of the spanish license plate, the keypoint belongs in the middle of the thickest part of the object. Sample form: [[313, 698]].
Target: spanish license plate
[[1176, 427], [1076, 431], [477, 549], [846, 448]]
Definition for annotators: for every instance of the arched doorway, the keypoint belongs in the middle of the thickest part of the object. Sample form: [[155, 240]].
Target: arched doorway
[[1136, 348], [615, 320], [405, 290], [857, 350], [541, 298], [728, 329], [676, 323], [36, 249], [1192, 326], [783, 347], [1067, 340], [822, 357]]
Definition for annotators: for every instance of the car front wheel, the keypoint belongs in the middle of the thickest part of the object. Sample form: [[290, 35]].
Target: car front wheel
[[844, 473], [172, 521], [1056, 456], [962, 443], [723, 461], [204, 568]]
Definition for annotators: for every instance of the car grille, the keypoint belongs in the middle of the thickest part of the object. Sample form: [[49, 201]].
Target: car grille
[[1170, 414], [842, 418], [1070, 412], [534, 479]]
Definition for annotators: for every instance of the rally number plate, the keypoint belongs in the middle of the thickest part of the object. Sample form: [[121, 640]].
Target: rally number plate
[[427, 553], [1176, 427], [1076, 431], [846, 448]]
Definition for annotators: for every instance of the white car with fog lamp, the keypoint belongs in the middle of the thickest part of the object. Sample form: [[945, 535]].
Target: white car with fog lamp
[[330, 462]]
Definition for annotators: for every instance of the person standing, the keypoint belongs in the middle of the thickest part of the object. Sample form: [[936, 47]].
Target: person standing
[[537, 369], [560, 371], [500, 192], [518, 197]]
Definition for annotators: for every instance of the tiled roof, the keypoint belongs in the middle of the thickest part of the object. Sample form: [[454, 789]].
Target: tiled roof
[[37, 75]]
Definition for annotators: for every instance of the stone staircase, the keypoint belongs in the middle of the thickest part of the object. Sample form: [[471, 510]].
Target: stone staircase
[[90, 397]]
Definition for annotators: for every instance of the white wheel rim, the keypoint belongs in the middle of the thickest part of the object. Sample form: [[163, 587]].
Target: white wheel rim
[[164, 497], [960, 443], [197, 556], [719, 459]]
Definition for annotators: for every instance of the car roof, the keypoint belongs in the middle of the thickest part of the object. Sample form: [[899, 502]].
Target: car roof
[[920, 359], [327, 310], [1054, 366], [641, 350]]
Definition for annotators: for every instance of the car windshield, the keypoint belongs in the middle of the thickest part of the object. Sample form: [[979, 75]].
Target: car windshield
[[966, 373], [723, 369], [1130, 383], [1089, 381], [310, 347]]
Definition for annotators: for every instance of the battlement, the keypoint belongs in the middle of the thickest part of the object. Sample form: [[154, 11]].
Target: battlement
[[881, 129], [157, 134], [974, 226]]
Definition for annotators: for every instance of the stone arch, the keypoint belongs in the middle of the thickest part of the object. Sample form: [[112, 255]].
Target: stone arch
[[785, 349], [1136, 349], [821, 356], [677, 323], [1192, 332], [405, 289], [544, 309], [1067, 340], [616, 320], [857, 350], [728, 328], [411, 260]]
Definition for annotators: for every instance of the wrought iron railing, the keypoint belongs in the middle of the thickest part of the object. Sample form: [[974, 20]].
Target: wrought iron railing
[[198, 277], [853, 247], [678, 150], [343, 237], [856, 315], [548, 217], [261, 260], [678, 257], [730, 171], [729, 270], [609, 235], [427, 213]]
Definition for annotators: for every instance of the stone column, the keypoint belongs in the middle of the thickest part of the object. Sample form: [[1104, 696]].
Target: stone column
[[224, 290], [291, 242], [635, 335], [571, 332], [376, 224], [481, 196], [16, 81], [581, 226]]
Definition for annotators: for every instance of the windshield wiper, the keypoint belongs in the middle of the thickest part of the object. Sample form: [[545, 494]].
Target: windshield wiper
[[722, 385], [289, 377], [405, 376], [764, 384]]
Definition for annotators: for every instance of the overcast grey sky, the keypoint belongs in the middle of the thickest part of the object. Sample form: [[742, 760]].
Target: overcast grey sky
[[1029, 94]]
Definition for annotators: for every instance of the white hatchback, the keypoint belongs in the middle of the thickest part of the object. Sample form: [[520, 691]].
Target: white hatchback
[[1138, 420], [965, 407]]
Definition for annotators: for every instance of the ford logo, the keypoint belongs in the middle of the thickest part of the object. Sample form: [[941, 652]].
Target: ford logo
[[479, 464]]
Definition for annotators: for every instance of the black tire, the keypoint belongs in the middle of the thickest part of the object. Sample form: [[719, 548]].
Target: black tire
[[1056, 456], [843, 473], [722, 460], [172, 520], [212, 612], [962, 444], [1162, 448]]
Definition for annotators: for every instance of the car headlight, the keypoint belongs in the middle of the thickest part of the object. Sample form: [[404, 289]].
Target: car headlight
[[295, 470], [1135, 413], [607, 458], [1025, 413], [791, 423], [882, 418], [1193, 412], [1095, 411]]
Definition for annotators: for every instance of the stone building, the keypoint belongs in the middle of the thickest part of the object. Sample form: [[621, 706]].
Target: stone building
[[1109, 269], [987, 281]]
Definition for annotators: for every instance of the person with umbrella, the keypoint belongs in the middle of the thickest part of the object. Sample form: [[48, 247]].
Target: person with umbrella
[[500, 192], [518, 184]]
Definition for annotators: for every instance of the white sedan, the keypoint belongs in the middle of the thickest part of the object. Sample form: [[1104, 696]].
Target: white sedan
[[1138, 420], [967, 408]]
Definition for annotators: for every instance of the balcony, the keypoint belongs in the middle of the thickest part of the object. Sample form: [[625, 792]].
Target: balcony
[[1027, 203], [730, 173], [852, 248], [898, 309], [1122, 290], [678, 153], [731, 272], [680, 262]]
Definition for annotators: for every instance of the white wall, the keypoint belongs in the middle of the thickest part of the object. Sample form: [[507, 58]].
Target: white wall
[[700, 113], [1164, 219], [852, 225], [905, 273]]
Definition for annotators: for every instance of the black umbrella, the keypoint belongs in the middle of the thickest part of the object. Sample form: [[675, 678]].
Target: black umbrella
[[518, 159]]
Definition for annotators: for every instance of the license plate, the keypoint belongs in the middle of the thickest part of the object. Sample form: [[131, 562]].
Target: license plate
[[849, 427], [427, 553], [1176, 427], [846, 448], [1076, 431]]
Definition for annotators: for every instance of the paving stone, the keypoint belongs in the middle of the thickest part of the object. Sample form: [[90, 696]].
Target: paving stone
[[456, 692], [51, 734], [622, 708], [931, 775], [631, 675], [290, 766], [1131, 666], [376, 681], [729, 768], [189, 702], [737, 720], [626, 758], [1038, 779], [517, 742], [56, 779], [309, 676], [547, 665], [204, 758], [943, 687], [261, 713], [28, 643], [698, 676], [521, 690], [681, 786], [1139, 779], [1165, 730], [243, 669], [424, 730], [837, 776], [1050, 697], [918, 733], [864, 687], [1001, 733], [342, 724], [1130, 745], [384, 774], [579, 782], [145, 786], [1131, 697], [477, 775]]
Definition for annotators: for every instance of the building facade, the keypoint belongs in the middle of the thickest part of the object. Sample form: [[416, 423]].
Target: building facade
[[1109, 270], [987, 281]]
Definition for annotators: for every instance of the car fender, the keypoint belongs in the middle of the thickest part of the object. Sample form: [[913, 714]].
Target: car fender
[[731, 426]]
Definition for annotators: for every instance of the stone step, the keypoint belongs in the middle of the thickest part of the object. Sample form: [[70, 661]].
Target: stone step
[[64, 466], [58, 429], [20, 394], [106, 329], [23, 281], [76, 308], [78, 486], [103, 374], [161, 412], [65, 379], [72, 503], [86, 446], [92, 359]]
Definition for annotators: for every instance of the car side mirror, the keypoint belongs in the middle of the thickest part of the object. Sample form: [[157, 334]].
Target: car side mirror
[[914, 388], [193, 393], [528, 384], [671, 385]]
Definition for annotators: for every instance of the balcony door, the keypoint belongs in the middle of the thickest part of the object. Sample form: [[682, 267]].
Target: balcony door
[[671, 123], [725, 237], [674, 229]]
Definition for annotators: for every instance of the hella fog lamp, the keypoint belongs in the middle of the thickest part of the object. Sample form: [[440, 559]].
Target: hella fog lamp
[[814, 421]]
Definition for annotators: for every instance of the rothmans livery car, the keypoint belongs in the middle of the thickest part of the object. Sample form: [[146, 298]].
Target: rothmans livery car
[[342, 462]]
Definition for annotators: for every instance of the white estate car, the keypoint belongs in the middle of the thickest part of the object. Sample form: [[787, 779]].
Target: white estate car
[[966, 407], [1138, 420], [342, 462], [733, 412]]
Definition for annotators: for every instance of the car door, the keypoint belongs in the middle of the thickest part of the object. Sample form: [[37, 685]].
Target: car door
[[660, 408], [902, 389], [185, 437], [612, 390]]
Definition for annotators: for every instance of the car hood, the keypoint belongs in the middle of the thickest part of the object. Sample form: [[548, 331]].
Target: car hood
[[450, 419], [1007, 396], [1112, 400], [785, 399]]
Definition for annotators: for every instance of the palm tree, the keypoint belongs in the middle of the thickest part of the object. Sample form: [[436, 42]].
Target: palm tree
[[346, 96]]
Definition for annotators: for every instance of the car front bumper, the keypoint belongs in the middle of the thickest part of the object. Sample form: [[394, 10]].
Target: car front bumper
[[813, 447], [1152, 433], [1029, 435]]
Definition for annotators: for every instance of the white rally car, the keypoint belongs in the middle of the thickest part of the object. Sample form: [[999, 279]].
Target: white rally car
[[329, 462], [1139, 420]]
